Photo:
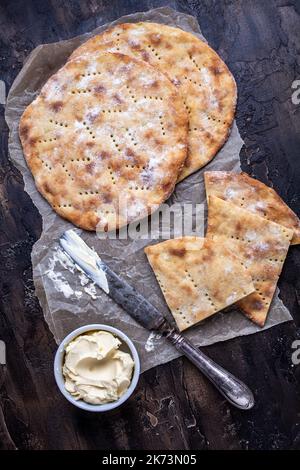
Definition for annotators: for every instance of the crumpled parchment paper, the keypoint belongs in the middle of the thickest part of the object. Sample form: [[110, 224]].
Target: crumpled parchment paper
[[67, 298]]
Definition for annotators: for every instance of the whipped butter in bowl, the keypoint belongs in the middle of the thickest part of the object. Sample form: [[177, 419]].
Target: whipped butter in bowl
[[96, 367]]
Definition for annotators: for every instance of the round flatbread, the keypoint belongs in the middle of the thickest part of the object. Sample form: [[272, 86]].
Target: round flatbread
[[105, 140], [207, 86]]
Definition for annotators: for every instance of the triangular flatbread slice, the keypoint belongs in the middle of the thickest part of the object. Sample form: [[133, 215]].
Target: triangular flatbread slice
[[250, 194], [261, 245], [198, 277]]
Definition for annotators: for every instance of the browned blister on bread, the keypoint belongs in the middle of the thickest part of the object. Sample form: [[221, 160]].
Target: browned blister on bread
[[105, 140], [198, 277], [203, 79], [253, 195], [260, 244]]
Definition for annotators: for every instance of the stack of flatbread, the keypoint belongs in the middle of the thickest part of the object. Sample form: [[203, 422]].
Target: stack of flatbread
[[249, 232], [134, 110]]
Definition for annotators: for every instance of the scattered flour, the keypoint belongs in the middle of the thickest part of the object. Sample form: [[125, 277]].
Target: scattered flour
[[206, 76], [231, 193], [150, 343], [53, 91], [228, 268], [84, 280], [134, 33], [262, 246], [78, 294], [84, 82], [232, 298], [91, 290], [259, 205], [78, 125], [62, 260], [251, 235], [60, 283]]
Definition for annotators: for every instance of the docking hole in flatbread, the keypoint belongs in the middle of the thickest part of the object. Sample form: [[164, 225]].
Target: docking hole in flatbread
[[105, 140], [204, 81], [198, 277], [254, 196], [261, 245]]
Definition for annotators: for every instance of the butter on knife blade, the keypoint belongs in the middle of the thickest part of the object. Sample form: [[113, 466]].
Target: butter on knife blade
[[86, 258]]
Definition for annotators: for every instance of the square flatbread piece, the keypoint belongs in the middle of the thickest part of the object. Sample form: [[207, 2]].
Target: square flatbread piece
[[198, 277], [250, 194], [261, 245]]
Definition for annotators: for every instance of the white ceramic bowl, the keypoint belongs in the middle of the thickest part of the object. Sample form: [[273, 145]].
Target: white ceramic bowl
[[59, 361]]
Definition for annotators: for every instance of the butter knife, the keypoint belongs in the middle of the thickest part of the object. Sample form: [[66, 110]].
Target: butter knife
[[235, 391]]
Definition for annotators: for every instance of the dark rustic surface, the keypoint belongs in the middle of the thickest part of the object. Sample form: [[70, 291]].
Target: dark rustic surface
[[174, 407]]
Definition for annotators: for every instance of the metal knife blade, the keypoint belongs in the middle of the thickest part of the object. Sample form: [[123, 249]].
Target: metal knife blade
[[122, 293]]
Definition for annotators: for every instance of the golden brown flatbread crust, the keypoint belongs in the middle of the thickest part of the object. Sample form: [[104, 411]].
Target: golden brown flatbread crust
[[261, 245], [105, 140], [251, 194], [198, 277], [206, 84]]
